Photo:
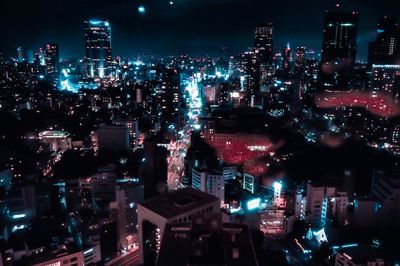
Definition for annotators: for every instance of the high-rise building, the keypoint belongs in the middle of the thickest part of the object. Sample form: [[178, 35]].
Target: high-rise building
[[300, 62], [386, 48], [339, 48], [52, 59], [211, 182], [20, 54], [251, 77], [287, 59], [98, 47], [263, 40], [259, 64], [386, 78]]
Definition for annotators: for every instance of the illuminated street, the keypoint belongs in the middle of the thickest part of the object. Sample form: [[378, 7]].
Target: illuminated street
[[176, 161], [176, 133]]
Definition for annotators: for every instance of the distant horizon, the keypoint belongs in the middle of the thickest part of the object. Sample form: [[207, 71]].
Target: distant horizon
[[165, 29]]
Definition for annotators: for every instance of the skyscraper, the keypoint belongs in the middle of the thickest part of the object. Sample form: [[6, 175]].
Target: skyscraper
[[339, 47], [259, 63], [98, 47], [263, 40], [20, 55], [287, 59], [300, 62], [386, 48], [52, 59]]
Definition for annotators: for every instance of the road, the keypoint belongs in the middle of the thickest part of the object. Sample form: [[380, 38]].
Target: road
[[293, 253], [130, 258], [176, 161]]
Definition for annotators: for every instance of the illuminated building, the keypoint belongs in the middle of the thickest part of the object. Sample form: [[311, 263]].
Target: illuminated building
[[92, 255], [22, 204], [40, 59], [277, 100], [133, 126], [263, 42], [339, 47], [170, 96], [287, 59], [6, 178], [20, 55], [337, 207], [386, 48], [272, 222], [250, 183], [386, 78], [179, 206], [211, 182], [57, 140], [251, 77], [317, 204], [395, 140], [98, 48], [326, 202], [52, 59], [277, 192], [300, 62], [63, 255]]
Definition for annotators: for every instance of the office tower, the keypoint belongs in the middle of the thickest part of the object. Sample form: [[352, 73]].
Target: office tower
[[52, 59], [339, 48], [263, 40], [211, 182], [98, 48], [170, 92], [386, 48], [386, 78], [261, 70], [251, 78], [300, 62], [287, 59]]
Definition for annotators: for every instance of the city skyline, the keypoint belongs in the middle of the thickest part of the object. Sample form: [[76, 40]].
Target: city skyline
[[179, 27], [208, 132]]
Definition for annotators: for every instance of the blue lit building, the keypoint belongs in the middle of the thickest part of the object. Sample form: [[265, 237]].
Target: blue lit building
[[98, 48]]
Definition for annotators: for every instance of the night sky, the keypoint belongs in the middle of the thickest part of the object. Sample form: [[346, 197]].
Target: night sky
[[197, 27]]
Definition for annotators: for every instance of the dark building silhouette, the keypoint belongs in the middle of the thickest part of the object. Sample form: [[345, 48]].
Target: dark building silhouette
[[386, 48], [339, 48]]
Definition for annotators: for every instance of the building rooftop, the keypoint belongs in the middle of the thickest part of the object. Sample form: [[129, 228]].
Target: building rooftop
[[178, 202], [206, 242], [53, 134]]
